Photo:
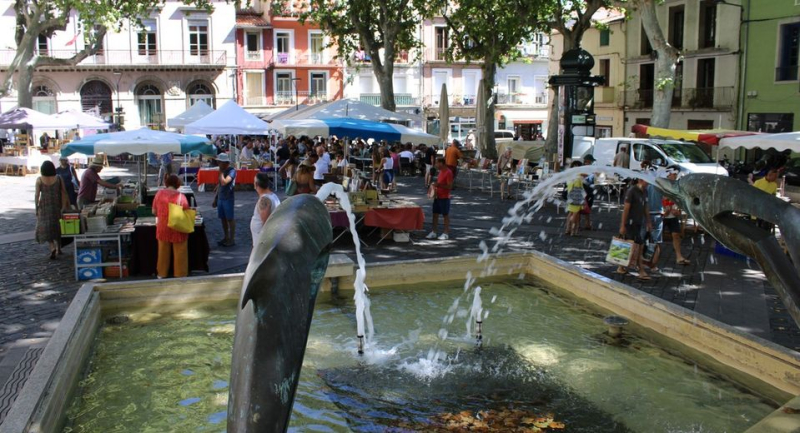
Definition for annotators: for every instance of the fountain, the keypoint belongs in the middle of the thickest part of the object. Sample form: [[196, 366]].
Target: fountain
[[275, 309], [538, 353]]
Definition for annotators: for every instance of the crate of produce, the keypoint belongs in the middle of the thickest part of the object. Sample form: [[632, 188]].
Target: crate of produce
[[92, 273], [70, 227], [88, 256]]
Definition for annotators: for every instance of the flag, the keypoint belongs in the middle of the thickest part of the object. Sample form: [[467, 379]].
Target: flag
[[72, 41]]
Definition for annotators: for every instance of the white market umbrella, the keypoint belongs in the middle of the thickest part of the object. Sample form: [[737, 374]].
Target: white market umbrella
[[196, 112], [81, 120], [346, 127], [26, 118], [781, 141]]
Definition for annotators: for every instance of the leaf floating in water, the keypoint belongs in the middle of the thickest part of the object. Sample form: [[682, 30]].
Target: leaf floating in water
[[506, 420]]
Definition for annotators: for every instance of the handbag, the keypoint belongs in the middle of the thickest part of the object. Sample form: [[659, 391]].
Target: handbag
[[291, 187], [576, 196], [180, 219], [432, 192], [619, 252]]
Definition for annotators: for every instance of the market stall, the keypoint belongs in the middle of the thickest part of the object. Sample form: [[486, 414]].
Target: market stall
[[196, 112], [377, 211], [347, 127], [210, 176], [144, 252]]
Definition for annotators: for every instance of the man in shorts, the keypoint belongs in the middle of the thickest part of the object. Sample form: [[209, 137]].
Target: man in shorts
[[635, 224], [672, 219], [430, 161], [441, 204]]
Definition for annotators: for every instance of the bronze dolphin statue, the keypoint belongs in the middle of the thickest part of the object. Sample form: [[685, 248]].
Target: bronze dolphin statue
[[711, 201], [275, 308]]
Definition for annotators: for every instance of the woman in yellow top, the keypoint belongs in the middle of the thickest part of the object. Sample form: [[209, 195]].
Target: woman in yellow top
[[575, 199]]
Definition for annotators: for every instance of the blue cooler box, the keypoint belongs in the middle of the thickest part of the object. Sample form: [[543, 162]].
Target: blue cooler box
[[88, 256], [90, 273]]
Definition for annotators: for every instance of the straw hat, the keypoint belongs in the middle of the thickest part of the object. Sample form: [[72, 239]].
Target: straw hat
[[98, 160]]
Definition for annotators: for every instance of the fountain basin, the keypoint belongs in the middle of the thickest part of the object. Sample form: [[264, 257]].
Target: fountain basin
[[768, 370]]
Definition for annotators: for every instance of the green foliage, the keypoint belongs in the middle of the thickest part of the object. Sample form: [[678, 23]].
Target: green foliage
[[371, 25], [486, 30]]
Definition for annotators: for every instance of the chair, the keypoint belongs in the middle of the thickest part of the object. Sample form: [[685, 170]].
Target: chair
[[406, 166]]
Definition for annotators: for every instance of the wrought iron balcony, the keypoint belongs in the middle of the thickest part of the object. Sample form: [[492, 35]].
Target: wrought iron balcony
[[289, 59], [123, 58], [302, 97], [400, 99]]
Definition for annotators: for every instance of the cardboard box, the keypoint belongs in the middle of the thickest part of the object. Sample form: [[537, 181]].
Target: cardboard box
[[113, 271], [88, 256], [90, 273]]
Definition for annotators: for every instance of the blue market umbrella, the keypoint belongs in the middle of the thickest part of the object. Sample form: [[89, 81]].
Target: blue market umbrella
[[139, 142], [348, 127]]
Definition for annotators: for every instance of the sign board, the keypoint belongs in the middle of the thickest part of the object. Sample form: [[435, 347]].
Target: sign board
[[578, 119]]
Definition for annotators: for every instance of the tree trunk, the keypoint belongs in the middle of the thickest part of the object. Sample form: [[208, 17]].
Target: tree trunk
[[488, 145], [384, 77], [551, 142], [664, 68], [24, 63]]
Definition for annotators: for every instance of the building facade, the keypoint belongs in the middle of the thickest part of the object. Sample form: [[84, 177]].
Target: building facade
[[282, 62], [770, 93], [705, 92], [608, 46], [180, 55]]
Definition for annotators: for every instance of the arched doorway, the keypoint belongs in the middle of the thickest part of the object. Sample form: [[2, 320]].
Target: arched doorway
[[149, 99], [96, 97], [201, 91], [44, 99]]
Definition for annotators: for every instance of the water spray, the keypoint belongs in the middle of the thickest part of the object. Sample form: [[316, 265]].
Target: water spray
[[478, 332]]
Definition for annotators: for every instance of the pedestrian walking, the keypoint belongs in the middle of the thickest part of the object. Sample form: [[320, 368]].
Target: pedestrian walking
[[224, 200], [50, 199], [635, 225], [70, 178]]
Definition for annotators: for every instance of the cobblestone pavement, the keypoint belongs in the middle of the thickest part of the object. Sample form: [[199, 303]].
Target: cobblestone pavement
[[35, 291]]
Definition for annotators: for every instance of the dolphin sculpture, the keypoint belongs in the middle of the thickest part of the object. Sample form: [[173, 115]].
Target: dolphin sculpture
[[711, 201], [275, 308]]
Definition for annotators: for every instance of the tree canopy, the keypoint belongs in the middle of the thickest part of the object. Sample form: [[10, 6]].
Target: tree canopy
[[381, 28], [489, 32]]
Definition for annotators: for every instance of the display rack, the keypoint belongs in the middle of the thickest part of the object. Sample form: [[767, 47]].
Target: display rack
[[92, 238]]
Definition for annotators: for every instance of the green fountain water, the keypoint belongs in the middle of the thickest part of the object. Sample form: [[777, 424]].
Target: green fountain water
[[168, 371]]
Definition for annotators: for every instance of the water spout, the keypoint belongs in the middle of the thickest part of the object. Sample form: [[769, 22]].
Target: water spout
[[360, 344], [363, 314], [478, 332]]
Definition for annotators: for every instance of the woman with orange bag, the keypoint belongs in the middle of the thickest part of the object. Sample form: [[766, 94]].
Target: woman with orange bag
[[171, 243]]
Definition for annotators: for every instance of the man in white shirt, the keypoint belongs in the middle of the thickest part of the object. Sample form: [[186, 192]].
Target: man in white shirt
[[247, 151]]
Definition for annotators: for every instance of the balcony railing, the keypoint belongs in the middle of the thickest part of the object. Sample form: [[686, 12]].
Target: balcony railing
[[538, 51], [302, 97], [254, 55], [454, 99], [521, 99], [132, 57], [400, 99], [786, 73], [362, 56], [717, 98], [303, 59]]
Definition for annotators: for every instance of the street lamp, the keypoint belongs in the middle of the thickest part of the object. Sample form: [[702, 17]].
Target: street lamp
[[118, 108], [296, 99]]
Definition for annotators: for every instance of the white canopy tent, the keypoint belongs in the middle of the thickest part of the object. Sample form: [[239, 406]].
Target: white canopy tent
[[196, 112], [229, 119], [81, 120], [351, 108], [780, 142]]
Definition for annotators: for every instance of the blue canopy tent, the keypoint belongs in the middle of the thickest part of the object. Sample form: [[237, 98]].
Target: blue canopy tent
[[348, 127], [140, 142]]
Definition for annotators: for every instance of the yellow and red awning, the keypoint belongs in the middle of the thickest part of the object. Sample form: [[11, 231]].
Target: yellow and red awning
[[707, 136]]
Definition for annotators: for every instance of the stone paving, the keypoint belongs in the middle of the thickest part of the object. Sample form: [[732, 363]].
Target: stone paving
[[35, 291]]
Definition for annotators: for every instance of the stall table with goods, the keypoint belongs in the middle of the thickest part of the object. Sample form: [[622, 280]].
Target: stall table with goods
[[117, 237], [392, 216], [210, 176]]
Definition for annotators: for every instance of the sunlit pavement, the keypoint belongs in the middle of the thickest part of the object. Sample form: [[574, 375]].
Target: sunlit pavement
[[35, 291]]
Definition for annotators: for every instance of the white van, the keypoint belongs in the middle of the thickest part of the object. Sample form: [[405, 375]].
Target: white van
[[662, 153]]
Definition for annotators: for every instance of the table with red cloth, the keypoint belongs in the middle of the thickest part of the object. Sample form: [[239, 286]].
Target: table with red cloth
[[144, 250], [211, 176], [396, 216]]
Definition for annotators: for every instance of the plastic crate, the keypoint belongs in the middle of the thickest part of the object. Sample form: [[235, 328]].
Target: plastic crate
[[90, 273], [87, 256]]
